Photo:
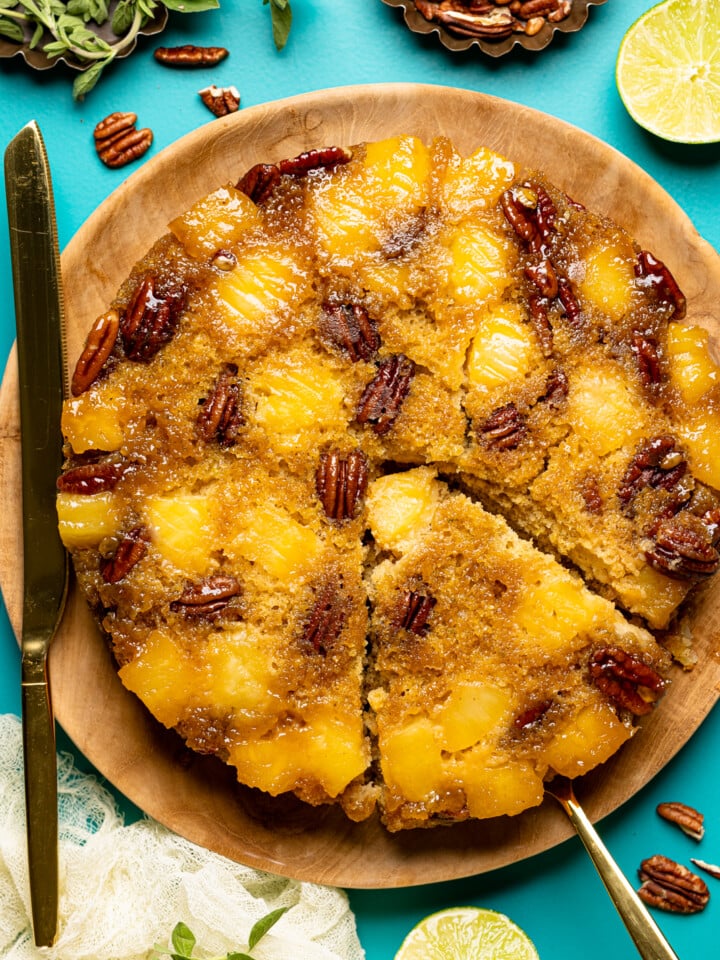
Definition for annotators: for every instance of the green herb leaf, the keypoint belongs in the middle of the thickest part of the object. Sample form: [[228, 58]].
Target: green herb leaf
[[37, 36], [123, 17], [191, 6], [85, 81], [264, 924], [238, 956], [183, 939], [281, 17], [12, 30]]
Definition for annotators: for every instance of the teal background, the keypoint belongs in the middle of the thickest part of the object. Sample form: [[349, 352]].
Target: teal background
[[556, 897]]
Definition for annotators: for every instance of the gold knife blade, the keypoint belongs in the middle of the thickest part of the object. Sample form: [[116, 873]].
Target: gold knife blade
[[40, 347]]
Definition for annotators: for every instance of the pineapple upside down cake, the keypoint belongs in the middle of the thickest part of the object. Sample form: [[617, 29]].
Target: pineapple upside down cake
[[382, 468]]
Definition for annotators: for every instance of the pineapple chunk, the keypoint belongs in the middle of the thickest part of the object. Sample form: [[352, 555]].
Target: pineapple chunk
[[477, 181], [163, 677], [183, 530], [270, 537], [479, 264], [503, 349], [216, 222], [260, 286], [653, 595], [495, 791], [411, 759], [585, 740], [240, 671], [471, 714], [297, 394], [700, 431], [399, 504], [93, 421], [605, 410], [692, 368], [83, 521], [609, 280], [555, 609]]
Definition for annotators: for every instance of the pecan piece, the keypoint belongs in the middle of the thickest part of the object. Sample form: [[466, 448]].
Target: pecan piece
[[483, 20], [350, 327], [150, 320], [341, 483], [683, 548], [220, 416], [532, 715], [314, 160], [504, 428], [569, 302], [671, 886], [98, 347], [326, 619], [657, 464], [687, 818], [530, 211], [592, 497], [130, 551], [652, 272], [224, 260], [712, 868], [646, 353], [118, 141], [541, 323], [383, 397], [556, 387], [544, 277], [623, 677], [259, 182], [190, 55], [91, 478], [207, 598], [220, 100], [415, 611]]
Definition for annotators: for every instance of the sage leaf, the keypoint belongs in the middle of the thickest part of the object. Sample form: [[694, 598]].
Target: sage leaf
[[85, 81], [281, 17], [183, 939], [191, 6], [13, 31], [264, 924]]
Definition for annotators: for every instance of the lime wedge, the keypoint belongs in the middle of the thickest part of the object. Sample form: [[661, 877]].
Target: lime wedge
[[462, 932], [668, 71]]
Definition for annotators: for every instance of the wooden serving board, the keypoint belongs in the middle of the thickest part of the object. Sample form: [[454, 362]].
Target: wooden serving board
[[197, 796]]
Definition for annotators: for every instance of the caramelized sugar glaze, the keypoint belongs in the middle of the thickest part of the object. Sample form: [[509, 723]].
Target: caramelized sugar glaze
[[381, 469]]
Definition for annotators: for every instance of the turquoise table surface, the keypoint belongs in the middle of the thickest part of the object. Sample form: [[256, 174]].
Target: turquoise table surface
[[556, 896]]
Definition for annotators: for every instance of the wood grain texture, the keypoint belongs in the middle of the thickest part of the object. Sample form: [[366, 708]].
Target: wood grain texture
[[197, 796]]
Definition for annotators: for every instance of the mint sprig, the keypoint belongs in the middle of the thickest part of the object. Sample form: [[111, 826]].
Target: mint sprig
[[183, 941]]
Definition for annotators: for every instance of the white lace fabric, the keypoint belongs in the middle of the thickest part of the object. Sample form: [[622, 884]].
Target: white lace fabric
[[123, 887]]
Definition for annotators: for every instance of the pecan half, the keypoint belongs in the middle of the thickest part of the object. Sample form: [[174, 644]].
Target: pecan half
[[118, 141], [532, 715], [91, 478], [326, 619], [150, 320], [652, 272], [220, 100], [303, 163], [259, 182], [98, 347], [646, 353], [350, 327], [687, 818], [220, 416], [341, 483], [671, 886], [544, 277], [206, 599], [190, 55], [383, 397], [712, 868], [504, 428], [415, 611], [130, 551], [683, 548], [626, 679], [569, 301], [541, 323], [657, 464], [482, 20], [530, 211]]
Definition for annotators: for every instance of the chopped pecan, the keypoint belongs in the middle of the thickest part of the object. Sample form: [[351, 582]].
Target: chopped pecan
[[532, 715], [646, 353], [206, 599], [326, 619], [350, 327], [405, 237], [190, 55], [544, 277], [537, 8], [556, 387], [541, 323], [150, 320], [415, 611], [653, 273], [341, 483], [314, 160], [259, 182], [671, 886], [656, 464], [504, 428], [98, 347], [682, 548], [712, 868], [118, 141], [131, 549], [592, 497], [224, 260], [220, 100], [626, 679], [481, 20], [569, 302], [687, 818], [91, 478], [220, 416], [383, 397], [530, 211]]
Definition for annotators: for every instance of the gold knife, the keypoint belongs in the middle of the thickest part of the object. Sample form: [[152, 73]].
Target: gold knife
[[40, 348]]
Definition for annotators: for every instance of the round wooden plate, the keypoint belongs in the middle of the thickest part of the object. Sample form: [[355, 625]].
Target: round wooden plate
[[197, 796]]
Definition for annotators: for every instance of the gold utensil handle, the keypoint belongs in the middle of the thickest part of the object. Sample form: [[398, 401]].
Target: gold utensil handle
[[646, 935], [40, 799]]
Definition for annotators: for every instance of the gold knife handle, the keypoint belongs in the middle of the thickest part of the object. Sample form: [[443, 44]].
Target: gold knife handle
[[40, 794]]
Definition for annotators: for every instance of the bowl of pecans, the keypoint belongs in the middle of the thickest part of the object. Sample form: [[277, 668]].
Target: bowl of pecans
[[495, 26]]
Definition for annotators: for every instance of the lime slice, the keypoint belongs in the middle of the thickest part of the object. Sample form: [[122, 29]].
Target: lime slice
[[463, 932], [668, 71]]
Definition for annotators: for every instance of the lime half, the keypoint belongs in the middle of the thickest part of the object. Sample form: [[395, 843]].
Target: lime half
[[668, 71], [467, 933]]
